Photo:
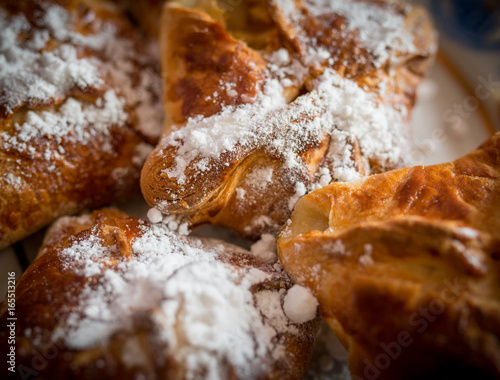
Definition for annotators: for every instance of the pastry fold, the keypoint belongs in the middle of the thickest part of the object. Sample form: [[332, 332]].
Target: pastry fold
[[80, 106], [145, 13], [275, 98], [111, 296], [405, 266]]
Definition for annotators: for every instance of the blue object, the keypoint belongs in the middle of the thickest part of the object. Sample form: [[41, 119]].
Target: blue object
[[475, 23]]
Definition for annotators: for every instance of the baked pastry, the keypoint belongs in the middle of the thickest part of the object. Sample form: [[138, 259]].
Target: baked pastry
[[111, 296], [275, 98], [405, 266], [145, 13], [80, 104]]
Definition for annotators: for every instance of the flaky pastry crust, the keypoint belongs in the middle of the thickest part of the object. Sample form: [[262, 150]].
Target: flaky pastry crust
[[405, 266], [213, 64], [152, 339], [72, 132]]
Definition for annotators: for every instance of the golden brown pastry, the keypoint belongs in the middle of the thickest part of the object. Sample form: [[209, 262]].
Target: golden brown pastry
[[278, 97], [111, 296], [146, 13], [405, 266], [79, 105]]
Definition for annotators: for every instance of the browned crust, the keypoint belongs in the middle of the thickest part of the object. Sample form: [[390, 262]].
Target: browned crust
[[83, 176], [49, 290], [198, 59], [209, 196], [433, 234]]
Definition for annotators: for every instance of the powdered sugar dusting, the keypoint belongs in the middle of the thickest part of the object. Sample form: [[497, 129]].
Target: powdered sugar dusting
[[261, 223], [203, 307], [154, 215], [85, 255], [332, 107], [29, 76], [300, 190], [79, 119], [210, 137], [265, 248], [284, 129], [260, 177], [26, 74], [335, 248], [300, 305], [379, 27], [133, 354]]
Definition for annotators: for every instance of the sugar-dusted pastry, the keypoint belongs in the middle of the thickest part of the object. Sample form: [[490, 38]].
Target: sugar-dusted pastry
[[405, 266], [272, 99], [80, 102], [113, 297]]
